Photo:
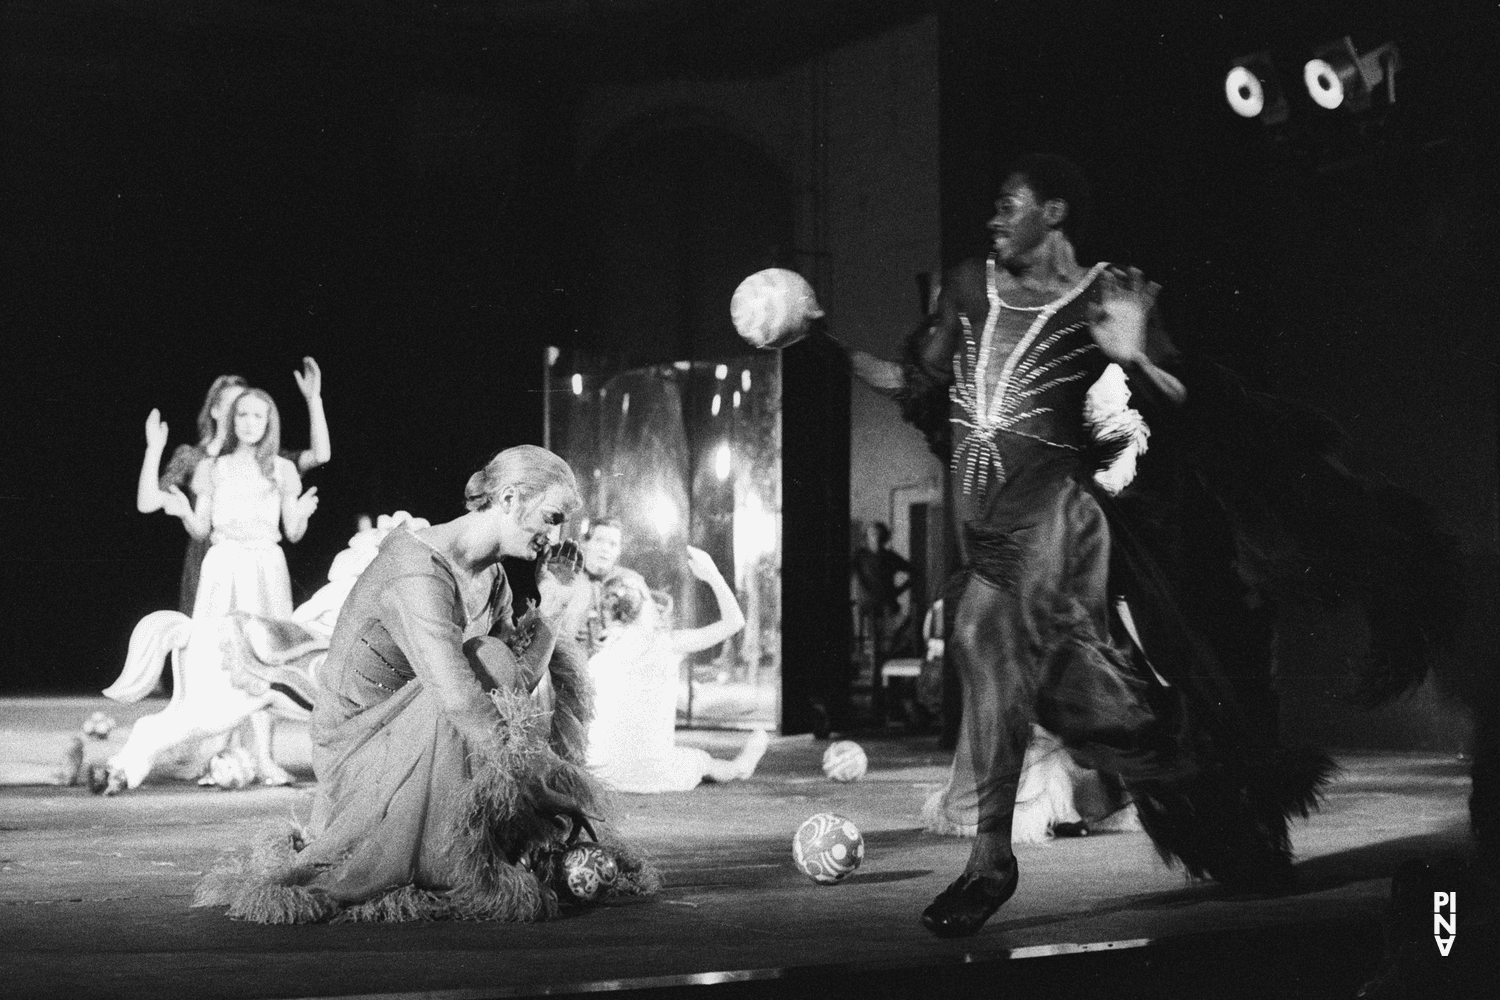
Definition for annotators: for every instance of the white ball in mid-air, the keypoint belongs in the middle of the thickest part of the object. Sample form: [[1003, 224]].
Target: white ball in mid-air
[[845, 761], [827, 848], [774, 308]]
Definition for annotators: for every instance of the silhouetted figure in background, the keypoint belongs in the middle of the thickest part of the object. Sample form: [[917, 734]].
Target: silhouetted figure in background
[[878, 590]]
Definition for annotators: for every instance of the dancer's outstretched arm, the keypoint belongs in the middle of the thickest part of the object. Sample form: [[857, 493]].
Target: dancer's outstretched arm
[[731, 618], [310, 384], [148, 492], [1119, 328]]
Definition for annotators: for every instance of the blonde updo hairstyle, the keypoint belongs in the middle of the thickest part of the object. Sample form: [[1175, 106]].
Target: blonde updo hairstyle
[[530, 470], [626, 595]]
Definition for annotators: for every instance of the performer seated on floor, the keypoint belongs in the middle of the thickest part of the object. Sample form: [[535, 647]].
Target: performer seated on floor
[[631, 743], [449, 740]]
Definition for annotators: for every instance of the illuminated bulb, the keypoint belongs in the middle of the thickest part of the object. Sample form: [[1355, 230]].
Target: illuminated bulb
[[721, 372], [714, 406], [721, 461], [745, 380], [1246, 96], [577, 384], [736, 399], [1323, 83], [625, 403]]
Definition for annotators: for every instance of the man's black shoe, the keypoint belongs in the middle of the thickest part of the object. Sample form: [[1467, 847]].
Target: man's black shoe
[[962, 908]]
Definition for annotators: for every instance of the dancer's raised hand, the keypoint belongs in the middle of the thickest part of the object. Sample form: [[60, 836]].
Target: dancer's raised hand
[[562, 561], [156, 431], [701, 565], [1118, 320], [309, 379], [564, 591]]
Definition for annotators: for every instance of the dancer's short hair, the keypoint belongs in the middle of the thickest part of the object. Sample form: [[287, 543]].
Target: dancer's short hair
[[530, 470], [1056, 177], [605, 522], [626, 593], [206, 429]]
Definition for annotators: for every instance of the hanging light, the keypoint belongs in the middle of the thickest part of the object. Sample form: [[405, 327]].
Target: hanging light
[[577, 384], [1339, 78], [1253, 90], [721, 461]]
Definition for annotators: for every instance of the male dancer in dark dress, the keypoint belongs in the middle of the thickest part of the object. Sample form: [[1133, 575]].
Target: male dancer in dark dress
[[1017, 340]]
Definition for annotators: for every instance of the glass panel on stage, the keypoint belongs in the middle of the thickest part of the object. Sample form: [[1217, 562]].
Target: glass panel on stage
[[689, 453]]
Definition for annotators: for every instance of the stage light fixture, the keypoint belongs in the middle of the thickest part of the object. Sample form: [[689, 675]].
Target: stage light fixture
[[1338, 77], [1253, 90]]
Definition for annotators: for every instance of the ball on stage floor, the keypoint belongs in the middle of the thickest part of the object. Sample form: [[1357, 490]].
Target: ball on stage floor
[[231, 769], [774, 308], [98, 726], [845, 761], [586, 872], [827, 848]]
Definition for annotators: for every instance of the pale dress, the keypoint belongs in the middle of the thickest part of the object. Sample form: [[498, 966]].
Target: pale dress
[[244, 568], [632, 742]]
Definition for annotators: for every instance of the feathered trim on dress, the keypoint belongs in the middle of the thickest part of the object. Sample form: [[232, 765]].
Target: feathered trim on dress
[[501, 842]]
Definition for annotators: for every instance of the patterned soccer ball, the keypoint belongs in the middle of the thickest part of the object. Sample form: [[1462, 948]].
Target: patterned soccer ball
[[98, 725], [586, 872], [827, 848], [845, 761], [231, 769], [772, 308]]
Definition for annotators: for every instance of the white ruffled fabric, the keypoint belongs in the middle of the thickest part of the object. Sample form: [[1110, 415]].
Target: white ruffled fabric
[[1107, 411]]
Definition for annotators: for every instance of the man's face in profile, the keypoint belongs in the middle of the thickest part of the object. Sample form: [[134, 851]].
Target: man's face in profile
[[601, 550]]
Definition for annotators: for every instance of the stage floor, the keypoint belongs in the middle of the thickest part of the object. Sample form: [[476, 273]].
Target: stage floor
[[94, 892]]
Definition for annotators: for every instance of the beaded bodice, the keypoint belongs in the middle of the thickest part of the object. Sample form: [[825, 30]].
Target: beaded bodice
[[1037, 397]]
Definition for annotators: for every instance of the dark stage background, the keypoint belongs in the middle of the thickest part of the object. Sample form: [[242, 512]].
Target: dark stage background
[[393, 188]]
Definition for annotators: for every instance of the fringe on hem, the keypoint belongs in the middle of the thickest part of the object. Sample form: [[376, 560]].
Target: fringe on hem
[[502, 832]]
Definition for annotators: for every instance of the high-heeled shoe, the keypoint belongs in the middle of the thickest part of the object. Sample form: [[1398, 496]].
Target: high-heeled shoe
[[962, 908]]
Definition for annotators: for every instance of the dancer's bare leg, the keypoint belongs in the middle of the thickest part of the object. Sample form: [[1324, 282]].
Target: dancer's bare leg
[[271, 773], [744, 765]]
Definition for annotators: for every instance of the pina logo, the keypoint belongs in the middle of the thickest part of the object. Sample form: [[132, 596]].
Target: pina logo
[[1444, 927]]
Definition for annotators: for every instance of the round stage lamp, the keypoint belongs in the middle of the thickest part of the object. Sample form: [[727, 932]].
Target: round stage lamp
[[1253, 91], [1246, 95], [1338, 78], [1327, 83]]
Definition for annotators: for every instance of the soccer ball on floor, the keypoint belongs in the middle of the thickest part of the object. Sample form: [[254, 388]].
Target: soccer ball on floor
[[585, 873], [774, 308], [230, 769], [827, 848], [98, 726], [845, 761]]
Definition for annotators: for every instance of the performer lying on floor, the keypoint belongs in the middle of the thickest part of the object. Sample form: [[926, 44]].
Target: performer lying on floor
[[632, 744], [449, 737], [242, 664]]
